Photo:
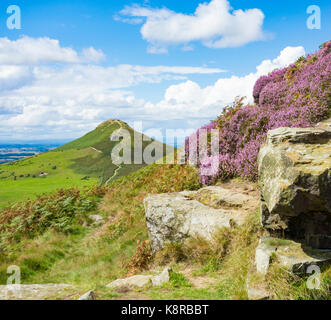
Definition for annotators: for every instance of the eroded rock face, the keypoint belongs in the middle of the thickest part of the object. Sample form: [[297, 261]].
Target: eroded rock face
[[295, 184], [176, 217]]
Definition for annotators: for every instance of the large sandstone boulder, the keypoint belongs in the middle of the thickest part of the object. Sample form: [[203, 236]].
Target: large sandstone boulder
[[295, 184], [176, 217]]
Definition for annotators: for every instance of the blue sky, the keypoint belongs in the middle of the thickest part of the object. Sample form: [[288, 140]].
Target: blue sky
[[160, 97]]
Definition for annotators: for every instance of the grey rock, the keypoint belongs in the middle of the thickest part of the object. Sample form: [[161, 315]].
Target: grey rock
[[176, 217], [257, 293], [295, 184], [218, 197], [96, 219], [325, 124], [290, 254], [138, 281], [297, 258], [32, 291], [141, 281], [87, 296], [162, 278], [263, 255]]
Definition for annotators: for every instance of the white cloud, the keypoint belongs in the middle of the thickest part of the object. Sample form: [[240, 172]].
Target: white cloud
[[92, 55], [43, 100], [189, 98], [32, 51], [12, 76], [215, 24]]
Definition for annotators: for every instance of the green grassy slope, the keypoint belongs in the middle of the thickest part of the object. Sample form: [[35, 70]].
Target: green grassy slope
[[82, 162], [54, 242], [66, 251]]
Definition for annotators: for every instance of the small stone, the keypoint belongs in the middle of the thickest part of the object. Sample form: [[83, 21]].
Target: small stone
[[87, 296], [256, 286], [138, 281], [162, 278], [257, 293], [262, 256], [96, 219]]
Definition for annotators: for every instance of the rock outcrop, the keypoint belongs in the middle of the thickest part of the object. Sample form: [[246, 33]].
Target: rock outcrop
[[295, 184], [176, 217]]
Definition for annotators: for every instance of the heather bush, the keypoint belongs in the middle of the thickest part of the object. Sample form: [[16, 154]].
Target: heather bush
[[296, 96]]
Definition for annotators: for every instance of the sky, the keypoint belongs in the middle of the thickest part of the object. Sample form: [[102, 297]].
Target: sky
[[170, 64]]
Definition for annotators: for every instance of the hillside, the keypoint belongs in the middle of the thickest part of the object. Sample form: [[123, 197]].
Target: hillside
[[89, 237], [82, 162]]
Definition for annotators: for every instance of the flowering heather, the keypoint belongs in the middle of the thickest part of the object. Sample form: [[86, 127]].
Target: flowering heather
[[296, 96]]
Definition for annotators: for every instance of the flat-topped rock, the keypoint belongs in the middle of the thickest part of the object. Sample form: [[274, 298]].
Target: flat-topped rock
[[33, 291], [138, 281], [299, 135], [290, 254], [176, 217], [141, 281], [219, 197]]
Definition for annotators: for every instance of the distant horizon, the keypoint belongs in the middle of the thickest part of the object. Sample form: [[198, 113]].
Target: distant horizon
[[32, 143]]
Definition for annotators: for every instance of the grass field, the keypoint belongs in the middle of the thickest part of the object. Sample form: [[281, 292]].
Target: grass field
[[21, 180], [82, 162]]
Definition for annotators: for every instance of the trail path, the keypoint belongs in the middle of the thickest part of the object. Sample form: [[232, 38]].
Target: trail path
[[119, 167], [96, 150]]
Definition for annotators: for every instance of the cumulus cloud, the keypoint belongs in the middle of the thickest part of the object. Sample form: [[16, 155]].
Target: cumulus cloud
[[189, 98], [32, 51], [12, 76], [45, 100], [215, 24]]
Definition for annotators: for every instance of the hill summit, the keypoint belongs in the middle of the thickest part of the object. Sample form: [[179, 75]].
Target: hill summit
[[83, 162]]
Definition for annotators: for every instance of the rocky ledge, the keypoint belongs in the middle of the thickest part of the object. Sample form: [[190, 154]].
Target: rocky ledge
[[295, 184]]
